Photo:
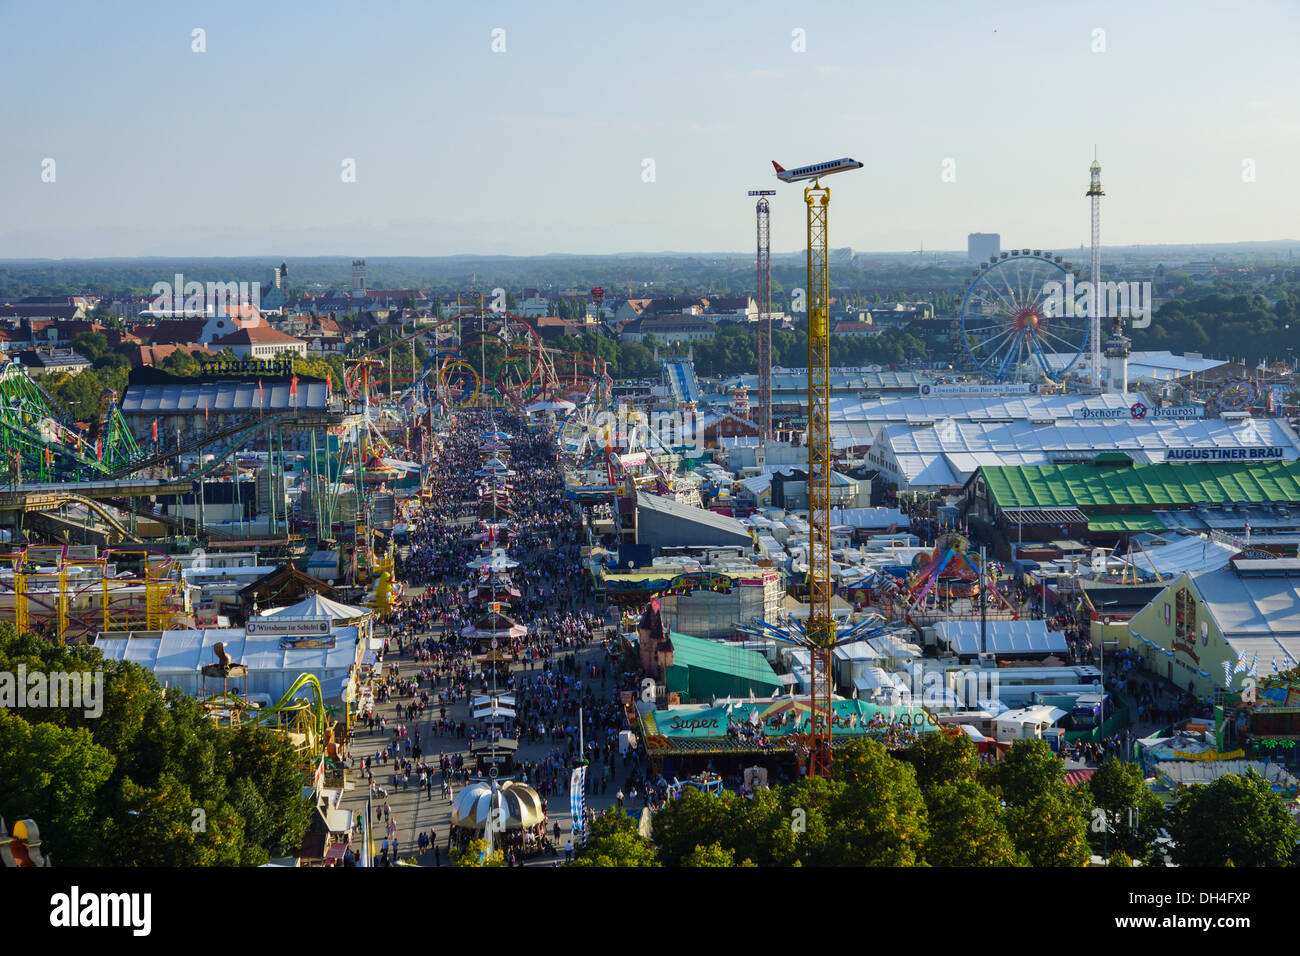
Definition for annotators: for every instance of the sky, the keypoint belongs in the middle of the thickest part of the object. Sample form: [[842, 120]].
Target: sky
[[573, 127]]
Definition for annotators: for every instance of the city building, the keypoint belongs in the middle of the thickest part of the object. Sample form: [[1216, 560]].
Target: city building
[[48, 361], [982, 246], [260, 342]]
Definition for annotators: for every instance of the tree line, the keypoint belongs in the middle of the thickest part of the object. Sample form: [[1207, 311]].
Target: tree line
[[936, 803], [152, 781]]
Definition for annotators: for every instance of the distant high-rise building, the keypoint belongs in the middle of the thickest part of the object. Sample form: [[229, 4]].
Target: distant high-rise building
[[358, 278], [282, 278], [982, 246]]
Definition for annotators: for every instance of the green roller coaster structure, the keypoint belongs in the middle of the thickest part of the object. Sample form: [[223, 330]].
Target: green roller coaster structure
[[307, 714], [40, 443]]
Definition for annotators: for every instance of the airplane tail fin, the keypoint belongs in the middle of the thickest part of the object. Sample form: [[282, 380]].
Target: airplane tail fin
[[777, 166]]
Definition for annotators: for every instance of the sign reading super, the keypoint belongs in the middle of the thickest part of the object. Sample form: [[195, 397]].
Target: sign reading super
[[1261, 452]]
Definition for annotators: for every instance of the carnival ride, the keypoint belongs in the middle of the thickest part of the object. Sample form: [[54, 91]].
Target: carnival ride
[[58, 591], [303, 720], [526, 369], [40, 442], [1239, 394], [1014, 327], [949, 584]]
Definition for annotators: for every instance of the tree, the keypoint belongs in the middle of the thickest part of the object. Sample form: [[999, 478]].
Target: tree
[[1235, 818], [475, 854], [90, 345], [1133, 814], [713, 855], [158, 755], [693, 820], [879, 817], [1049, 830], [166, 826], [943, 758], [53, 775], [966, 827], [614, 841], [181, 363], [1030, 770]]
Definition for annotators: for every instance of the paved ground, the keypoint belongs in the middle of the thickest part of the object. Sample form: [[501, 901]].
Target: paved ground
[[415, 811]]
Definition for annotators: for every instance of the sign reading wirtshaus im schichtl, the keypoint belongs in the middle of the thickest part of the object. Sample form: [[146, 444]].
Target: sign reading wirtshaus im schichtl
[[301, 627]]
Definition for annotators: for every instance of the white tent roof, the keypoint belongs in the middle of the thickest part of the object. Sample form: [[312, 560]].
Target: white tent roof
[[1181, 553], [1004, 637], [498, 561], [187, 651], [317, 607], [869, 517]]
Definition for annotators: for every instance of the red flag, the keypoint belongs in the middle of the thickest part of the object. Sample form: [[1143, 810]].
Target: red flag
[[205, 410], [259, 391], [329, 383], [49, 457], [99, 450], [293, 386], [155, 429]]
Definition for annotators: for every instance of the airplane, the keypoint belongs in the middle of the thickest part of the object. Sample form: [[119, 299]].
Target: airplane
[[814, 172]]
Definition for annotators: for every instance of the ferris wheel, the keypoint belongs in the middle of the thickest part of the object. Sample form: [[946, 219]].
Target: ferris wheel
[[1017, 321]]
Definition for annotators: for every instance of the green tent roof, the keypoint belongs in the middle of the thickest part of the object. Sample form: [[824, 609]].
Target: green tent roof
[[722, 658], [1134, 521], [1162, 483]]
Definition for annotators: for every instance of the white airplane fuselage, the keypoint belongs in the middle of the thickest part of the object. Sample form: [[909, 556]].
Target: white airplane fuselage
[[816, 171]]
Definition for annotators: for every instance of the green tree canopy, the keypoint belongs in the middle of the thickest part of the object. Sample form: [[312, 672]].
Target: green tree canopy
[[966, 827], [1235, 818], [614, 841]]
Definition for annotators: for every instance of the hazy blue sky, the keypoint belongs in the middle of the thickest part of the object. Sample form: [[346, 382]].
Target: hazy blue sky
[[238, 150]]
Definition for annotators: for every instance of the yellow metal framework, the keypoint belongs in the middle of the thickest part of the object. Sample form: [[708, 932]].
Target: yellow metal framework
[[821, 628], [72, 598]]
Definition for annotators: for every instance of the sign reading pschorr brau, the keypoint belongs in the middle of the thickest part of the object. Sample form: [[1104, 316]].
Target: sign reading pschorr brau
[[305, 627], [1262, 452], [1140, 411]]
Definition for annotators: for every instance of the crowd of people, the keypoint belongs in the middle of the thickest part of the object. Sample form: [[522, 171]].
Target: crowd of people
[[561, 670]]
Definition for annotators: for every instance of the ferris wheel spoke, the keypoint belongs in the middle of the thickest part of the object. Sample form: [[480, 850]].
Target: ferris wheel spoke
[[989, 353], [1015, 299], [987, 294], [988, 329], [991, 345], [1009, 306], [1013, 352], [1020, 280], [1053, 336]]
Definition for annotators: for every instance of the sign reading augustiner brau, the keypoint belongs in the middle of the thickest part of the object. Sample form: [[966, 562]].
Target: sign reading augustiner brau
[[1256, 453]]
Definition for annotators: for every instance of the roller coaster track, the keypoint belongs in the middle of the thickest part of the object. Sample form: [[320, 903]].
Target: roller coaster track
[[239, 432], [67, 498], [243, 430], [288, 703]]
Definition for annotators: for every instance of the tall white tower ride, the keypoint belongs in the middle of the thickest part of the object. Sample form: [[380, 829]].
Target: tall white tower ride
[[1095, 300]]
